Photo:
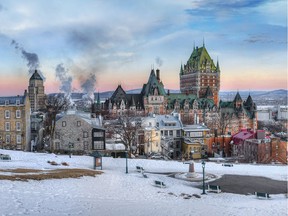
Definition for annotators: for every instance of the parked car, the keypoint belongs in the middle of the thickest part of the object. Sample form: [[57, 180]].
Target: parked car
[[157, 156]]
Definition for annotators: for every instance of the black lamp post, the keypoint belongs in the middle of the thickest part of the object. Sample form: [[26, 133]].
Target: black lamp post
[[203, 167], [126, 154]]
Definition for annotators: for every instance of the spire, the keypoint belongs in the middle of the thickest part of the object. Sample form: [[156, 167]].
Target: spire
[[181, 69], [217, 67], [238, 97]]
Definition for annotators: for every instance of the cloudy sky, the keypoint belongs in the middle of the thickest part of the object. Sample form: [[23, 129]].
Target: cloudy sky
[[103, 43]]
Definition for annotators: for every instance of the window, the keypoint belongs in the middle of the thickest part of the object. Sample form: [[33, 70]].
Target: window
[[170, 133], [165, 133], [7, 126], [7, 139], [18, 126], [17, 102], [6, 102], [78, 123], [7, 114], [18, 139], [85, 145], [98, 134], [85, 134], [63, 123], [18, 114], [98, 144], [156, 134]]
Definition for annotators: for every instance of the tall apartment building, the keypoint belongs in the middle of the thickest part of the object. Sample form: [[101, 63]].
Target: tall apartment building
[[36, 92], [15, 122]]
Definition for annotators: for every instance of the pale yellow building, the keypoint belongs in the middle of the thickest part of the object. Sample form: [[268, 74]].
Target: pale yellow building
[[15, 122], [195, 141]]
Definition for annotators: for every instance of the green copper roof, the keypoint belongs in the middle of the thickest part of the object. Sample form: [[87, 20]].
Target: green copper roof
[[152, 84], [208, 92], [181, 98], [200, 57], [237, 97]]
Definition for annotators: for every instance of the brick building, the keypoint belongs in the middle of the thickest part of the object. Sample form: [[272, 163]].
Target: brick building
[[199, 74]]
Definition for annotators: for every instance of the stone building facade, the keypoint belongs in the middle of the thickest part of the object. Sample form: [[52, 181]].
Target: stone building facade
[[15, 122], [78, 132]]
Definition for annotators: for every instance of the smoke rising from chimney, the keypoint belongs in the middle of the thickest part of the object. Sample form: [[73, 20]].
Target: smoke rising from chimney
[[31, 58], [66, 80], [88, 87], [159, 61]]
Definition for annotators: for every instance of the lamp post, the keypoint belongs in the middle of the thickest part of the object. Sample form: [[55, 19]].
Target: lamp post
[[126, 155], [203, 167]]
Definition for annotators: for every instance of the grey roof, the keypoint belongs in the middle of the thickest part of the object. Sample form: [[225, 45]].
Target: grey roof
[[167, 122], [36, 76], [12, 100]]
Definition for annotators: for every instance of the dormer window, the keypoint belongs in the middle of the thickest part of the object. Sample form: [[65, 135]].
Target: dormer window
[[17, 102], [6, 102]]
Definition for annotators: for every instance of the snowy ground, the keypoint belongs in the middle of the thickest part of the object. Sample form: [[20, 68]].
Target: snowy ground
[[117, 193]]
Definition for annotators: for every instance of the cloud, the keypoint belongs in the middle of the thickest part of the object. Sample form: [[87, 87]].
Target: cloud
[[220, 8]]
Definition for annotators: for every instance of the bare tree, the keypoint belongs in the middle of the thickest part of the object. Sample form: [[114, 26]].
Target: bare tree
[[225, 120], [54, 105], [125, 129]]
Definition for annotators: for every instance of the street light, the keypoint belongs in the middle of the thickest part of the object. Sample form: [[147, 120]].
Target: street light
[[203, 167], [126, 154]]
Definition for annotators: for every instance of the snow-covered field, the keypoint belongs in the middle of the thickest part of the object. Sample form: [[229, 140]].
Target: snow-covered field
[[117, 193]]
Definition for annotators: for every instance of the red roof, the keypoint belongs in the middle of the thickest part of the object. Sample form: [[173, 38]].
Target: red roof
[[243, 135]]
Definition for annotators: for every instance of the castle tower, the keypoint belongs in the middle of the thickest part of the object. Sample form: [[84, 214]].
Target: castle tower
[[36, 92], [199, 73]]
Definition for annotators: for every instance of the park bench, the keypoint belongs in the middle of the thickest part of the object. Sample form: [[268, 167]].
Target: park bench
[[214, 188], [159, 184], [227, 165], [260, 194], [5, 157], [139, 169]]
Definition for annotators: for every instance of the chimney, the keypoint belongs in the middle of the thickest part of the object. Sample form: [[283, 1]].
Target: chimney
[[168, 93], [158, 74]]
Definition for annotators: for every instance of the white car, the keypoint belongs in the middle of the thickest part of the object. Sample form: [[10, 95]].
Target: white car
[[157, 156]]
